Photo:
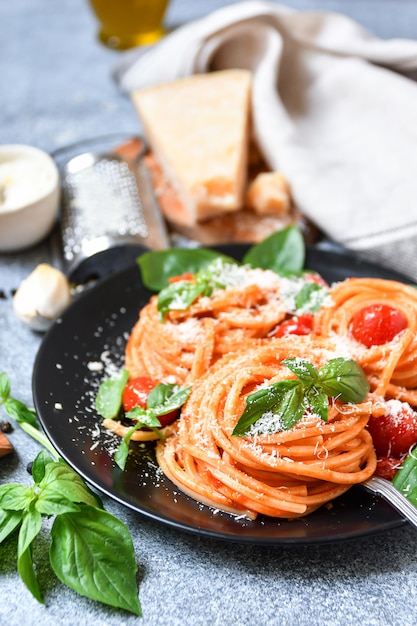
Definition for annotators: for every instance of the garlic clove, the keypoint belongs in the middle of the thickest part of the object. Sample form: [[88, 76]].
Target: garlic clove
[[42, 297]]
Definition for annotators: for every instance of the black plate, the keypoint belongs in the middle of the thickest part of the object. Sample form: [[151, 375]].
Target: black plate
[[94, 330]]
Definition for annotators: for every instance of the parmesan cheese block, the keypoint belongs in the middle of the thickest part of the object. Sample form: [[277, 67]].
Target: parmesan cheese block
[[198, 129]]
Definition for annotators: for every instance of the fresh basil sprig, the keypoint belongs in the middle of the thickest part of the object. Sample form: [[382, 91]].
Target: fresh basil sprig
[[281, 405], [218, 274], [162, 399], [91, 551]]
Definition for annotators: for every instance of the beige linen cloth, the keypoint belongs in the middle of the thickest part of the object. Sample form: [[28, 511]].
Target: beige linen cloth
[[334, 109]]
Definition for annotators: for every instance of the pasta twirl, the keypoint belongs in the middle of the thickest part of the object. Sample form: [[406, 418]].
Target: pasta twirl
[[284, 474], [189, 341], [391, 367]]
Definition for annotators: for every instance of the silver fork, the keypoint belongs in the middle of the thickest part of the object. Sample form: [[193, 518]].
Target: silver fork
[[387, 490]]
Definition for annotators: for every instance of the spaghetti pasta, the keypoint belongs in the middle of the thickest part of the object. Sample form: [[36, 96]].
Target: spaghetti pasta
[[227, 345], [391, 367], [187, 342], [283, 474]]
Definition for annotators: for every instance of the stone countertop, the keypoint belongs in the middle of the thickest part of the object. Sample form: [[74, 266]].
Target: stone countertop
[[56, 89]]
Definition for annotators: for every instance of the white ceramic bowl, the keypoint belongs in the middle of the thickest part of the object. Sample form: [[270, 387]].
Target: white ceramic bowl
[[29, 196]]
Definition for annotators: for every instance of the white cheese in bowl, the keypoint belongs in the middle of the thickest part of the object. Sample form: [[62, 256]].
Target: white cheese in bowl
[[23, 180], [29, 196]]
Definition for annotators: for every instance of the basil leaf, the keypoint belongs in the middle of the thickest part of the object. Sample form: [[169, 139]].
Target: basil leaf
[[4, 385], [305, 370], [20, 412], [282, 252], [39, 465], [122, 452], [60, 489], [266, 400], [15, 497], [344, 379], [159, 265], [109, 395], [144, 418], [9, 521], [167, 397], [310, 298], [178, 296], [318, 403], [291, 406], [219, 274], [31, 525], [405, 480], [92, 553]]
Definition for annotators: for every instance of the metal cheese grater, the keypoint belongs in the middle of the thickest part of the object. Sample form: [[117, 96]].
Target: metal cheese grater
[[107, 203]]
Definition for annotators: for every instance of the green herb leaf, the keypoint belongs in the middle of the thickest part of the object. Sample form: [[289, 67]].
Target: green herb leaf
[[317, 402], [310, 298], [92, 553], [15, 497], [61, 490], [178, 296], [4, 386], [9, 521], [158, 266], [167, 397], [283, 252], [109, 396], [305, 370], [20, 412], [144, 418], [344, 379], [39, 465], [219, 274], [29, 529], [271, 399], [405, 480]]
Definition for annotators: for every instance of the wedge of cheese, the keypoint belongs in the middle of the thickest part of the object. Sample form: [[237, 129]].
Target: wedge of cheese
[[198, 130]]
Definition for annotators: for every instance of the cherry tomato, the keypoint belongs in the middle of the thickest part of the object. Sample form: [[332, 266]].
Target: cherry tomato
[[377, 324], [136, 394], [394, 433], [388, 466], [186, 276], [301, 325]]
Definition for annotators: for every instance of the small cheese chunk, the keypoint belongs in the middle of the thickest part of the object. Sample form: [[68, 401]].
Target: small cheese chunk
[[269, 192]]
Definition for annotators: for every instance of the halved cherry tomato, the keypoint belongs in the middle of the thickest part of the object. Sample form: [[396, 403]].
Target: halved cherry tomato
[[186, 276], [301, 325], [377, 324], [136, 394], [394, 433]]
